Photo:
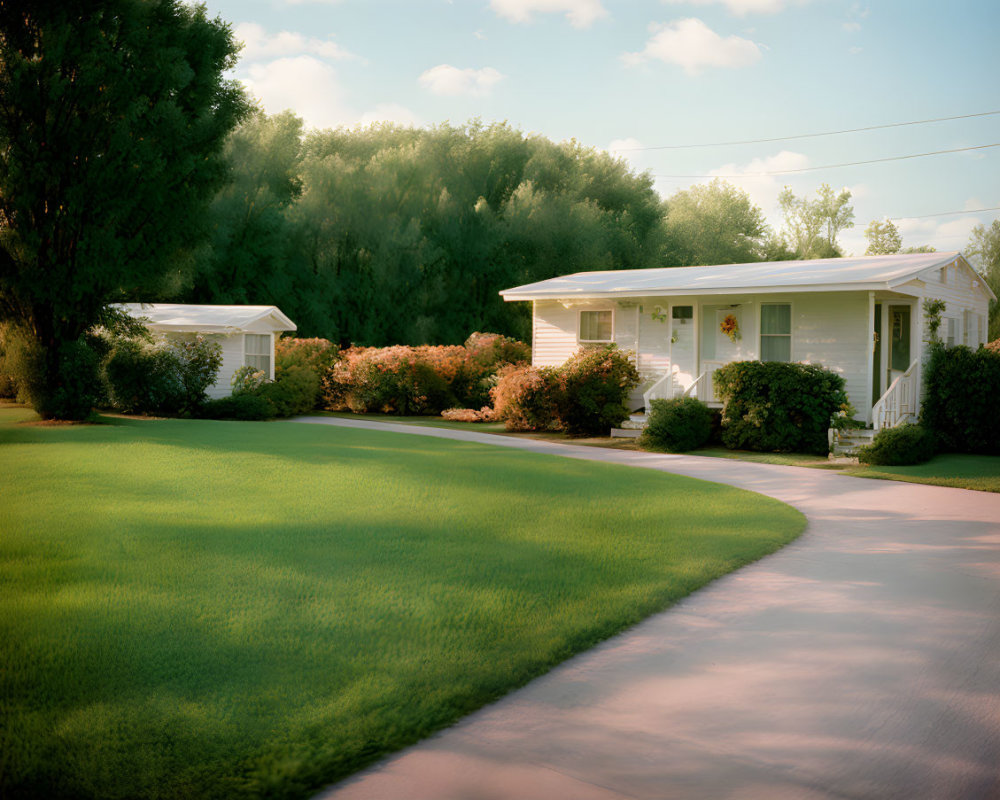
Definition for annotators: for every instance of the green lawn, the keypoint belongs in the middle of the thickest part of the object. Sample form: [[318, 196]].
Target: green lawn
[[981, 473], [224, 609]]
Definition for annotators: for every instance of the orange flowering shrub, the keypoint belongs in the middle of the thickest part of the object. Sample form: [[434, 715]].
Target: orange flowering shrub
[[393, 380], [302, 364], [485, 414], [523, 397], [592, 388], [419, 380]]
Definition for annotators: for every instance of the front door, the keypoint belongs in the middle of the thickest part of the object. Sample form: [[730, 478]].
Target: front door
[[899, 341], [682, 342], [877, 344]]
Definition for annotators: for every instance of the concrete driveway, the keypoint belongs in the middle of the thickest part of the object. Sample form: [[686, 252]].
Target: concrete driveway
[[861, 661]]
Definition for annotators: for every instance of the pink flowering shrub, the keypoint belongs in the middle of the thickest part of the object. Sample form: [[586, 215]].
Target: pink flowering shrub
[[485, 414], [522, 398], [419, 380]]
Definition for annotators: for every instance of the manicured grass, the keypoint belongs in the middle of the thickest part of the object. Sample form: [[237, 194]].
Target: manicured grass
[[430, 422], [223, 609], [981, 473]]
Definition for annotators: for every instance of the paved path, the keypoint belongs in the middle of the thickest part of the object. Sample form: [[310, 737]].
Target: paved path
[[861, 661]]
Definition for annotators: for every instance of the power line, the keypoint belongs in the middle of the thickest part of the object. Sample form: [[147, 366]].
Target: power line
[[835, 166], [804, 135], [948, 213]]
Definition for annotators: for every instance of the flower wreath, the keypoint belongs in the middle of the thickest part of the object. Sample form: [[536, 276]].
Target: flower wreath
[[731, 327]]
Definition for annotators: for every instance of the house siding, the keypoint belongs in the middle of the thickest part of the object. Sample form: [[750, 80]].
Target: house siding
[[955, 285]]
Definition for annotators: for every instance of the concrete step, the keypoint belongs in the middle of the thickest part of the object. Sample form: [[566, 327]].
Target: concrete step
[[626, 433], [635, 422], [846, 442]]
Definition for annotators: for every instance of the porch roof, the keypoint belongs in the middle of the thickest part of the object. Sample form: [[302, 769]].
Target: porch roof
[[768, 277]]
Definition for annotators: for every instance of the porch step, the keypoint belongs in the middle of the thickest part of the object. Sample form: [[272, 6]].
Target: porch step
[[846, 442], [635, 422], [626, 433]]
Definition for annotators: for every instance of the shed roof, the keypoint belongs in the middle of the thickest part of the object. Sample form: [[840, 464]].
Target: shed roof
[[190, 318], [818, 274]]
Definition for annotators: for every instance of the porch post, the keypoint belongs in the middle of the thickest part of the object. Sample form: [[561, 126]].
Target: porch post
[[871, 357]]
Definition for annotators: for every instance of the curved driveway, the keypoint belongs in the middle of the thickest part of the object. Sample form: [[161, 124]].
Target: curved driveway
[[861, 661]]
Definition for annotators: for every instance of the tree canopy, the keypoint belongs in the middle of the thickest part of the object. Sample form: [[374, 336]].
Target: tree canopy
[[812, 226], [113, 115], [883, 238], [983, 251]]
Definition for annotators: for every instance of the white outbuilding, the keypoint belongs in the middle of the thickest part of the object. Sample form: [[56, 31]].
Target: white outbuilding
[[863, 318], [245, 333]]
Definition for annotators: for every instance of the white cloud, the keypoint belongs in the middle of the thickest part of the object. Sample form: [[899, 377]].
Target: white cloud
[[304, 84], [741, 8], [952, 234], [692, 45], [448, 80], [310, 88], [259, 45], [580, 13]]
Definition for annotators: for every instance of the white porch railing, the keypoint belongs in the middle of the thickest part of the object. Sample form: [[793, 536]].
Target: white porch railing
[[899, 401], [704, 385], [663, 389]]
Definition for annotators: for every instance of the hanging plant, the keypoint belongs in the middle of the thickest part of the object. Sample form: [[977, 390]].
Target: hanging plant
[[731, 327]]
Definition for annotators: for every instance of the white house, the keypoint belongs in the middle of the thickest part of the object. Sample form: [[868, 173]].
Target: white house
[[246, 333], [860, 317]]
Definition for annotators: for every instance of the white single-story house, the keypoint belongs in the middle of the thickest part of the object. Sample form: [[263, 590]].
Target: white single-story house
[[246, 333], [862, 317]]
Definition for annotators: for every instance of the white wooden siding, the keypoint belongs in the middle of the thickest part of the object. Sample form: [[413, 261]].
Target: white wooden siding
[[961, 290], [554, 333], [831, 330], [232, 359]]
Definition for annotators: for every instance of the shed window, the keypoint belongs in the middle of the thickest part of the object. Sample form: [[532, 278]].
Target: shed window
[[776, 332], [257, 353], [596, 326]]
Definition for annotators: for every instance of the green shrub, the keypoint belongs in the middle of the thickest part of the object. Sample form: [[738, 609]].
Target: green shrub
[[959, 406], [522, 397], [198, 360], [247, 407], [315, 355], [778, 407], [294, 392], [592, 389], [677, 425], [66, 386], [247, 380], [142, 377], [899, 446]]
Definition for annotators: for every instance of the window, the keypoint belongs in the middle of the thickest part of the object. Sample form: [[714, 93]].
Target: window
[[776, 332], [257, 352], [683, 313], [596, 326]]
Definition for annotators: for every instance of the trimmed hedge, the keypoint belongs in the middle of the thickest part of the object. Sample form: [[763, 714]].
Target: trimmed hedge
[[522, 398], [677, 425], [962, 387], [898, 447], [245, 407], [778, 407]]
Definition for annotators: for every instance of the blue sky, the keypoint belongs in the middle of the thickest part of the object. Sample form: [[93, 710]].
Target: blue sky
[[625, 74]]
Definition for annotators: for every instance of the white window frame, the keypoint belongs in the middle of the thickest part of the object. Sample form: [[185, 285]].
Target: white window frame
[[579, 325], [791, 329], [269, 355]]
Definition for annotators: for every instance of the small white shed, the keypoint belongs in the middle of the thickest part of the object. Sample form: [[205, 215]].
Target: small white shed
[[860, 317], [246, 333]]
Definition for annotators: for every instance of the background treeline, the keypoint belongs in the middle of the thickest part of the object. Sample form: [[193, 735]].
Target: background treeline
[[390, 235]]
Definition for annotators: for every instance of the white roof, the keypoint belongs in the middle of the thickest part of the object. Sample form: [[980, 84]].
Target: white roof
[[818, 274], [209, 319]]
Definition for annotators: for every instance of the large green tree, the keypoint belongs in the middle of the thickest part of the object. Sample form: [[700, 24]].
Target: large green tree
[[983, 250], [883, 238], [113, 114], [714, 223], [812, 226]]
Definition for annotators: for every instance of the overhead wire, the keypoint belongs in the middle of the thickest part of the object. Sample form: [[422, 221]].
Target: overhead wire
[[835, 166], [805, 135]]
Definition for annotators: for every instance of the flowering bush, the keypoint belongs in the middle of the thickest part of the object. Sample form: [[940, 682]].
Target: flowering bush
[[485, 354], [393, 380], [485, 414], [592, 388], [523, 396]]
